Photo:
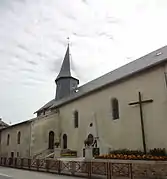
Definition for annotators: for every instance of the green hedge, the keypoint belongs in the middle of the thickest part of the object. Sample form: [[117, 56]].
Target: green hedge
[[154, 152]]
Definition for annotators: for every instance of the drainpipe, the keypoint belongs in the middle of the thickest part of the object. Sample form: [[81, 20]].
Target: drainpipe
[[30, 140]]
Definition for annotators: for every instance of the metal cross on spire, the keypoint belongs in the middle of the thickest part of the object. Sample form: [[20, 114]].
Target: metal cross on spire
[[68, 40], [68, 45]]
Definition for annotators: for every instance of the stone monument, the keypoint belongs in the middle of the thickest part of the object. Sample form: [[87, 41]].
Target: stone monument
[[88, 153], [88, 147], [57, 150]]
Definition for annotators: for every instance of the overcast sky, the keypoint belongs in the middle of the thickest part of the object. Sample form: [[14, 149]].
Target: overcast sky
[[104, 34]]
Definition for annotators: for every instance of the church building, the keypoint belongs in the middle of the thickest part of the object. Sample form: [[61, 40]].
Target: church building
[[123, 109]]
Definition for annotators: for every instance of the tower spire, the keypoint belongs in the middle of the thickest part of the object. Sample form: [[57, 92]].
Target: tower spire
[[66, 84], [65, 68], [68, 40]]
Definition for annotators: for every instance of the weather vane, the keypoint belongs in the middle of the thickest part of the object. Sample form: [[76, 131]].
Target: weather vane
[[68, 40]]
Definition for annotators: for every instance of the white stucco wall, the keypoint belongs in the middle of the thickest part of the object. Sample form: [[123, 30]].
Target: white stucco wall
[[126, 131], [23, 148], [40, 129]]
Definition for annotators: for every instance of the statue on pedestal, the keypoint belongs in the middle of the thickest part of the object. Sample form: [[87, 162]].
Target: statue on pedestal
[[57, 143], [90, 141], [57, 149]]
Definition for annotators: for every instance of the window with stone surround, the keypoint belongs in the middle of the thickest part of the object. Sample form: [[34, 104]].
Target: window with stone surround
[[115, 108], [8, 139], [76, 116], [64, 141], [18, 137]]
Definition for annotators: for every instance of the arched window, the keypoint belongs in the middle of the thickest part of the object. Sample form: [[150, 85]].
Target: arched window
[[76, 119], [65, 141], [18, 137], [115, 108], [51, 140], [8, 139]]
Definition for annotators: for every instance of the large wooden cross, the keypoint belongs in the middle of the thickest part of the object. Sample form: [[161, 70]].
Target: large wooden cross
[[140, 103]]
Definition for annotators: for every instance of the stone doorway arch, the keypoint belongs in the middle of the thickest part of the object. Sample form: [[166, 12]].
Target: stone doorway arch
[[64, 141], [51, 140]]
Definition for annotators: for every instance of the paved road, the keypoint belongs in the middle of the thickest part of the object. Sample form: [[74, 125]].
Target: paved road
[[10, 173]]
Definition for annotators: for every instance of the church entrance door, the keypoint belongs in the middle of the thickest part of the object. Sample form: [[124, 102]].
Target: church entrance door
[[65, 141], [51, 140], [12, 157]]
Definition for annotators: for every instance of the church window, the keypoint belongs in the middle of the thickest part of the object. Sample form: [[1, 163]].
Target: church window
[[76, 114], [18, 137], [115, 108], [65, 141], [8, 139], [51, 140], [91, 124]]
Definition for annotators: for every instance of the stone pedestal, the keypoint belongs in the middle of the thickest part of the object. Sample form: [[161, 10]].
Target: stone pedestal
[[88, 153], [57, 152]]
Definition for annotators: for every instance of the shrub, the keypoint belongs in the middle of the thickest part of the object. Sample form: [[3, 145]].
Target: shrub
[[158, 152], [127, 152]]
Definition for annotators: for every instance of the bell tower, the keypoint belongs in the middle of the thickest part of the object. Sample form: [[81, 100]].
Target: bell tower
[[66, 84]]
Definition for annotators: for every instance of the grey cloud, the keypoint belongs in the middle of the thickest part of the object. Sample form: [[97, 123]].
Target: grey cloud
[[34, 80], [27, 84], [17, 56], [2, 69], [62, 42], [31, 84], [42, 55], [113, 20], [106, 34], [27, 70], [70, 16], [73, 66], [8, 53], [62, 29], [55, 65], [130, 58], [31, 62], [4, 4], [23, 47], [27, 31], [33, 42], [85, 1], [79, 34]]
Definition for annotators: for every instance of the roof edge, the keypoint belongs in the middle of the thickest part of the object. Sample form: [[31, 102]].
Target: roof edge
[[105, 85]]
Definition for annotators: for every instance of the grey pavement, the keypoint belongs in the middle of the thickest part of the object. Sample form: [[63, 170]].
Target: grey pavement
[[10, 173]]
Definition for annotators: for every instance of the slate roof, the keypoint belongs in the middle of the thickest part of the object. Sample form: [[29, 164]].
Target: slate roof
[[17, 124], [3, 124], [65, 68], [47, 105], [152, 59]]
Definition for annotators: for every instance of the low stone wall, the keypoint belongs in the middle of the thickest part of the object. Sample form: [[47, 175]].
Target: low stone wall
[[130, 168], [92, 168]]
